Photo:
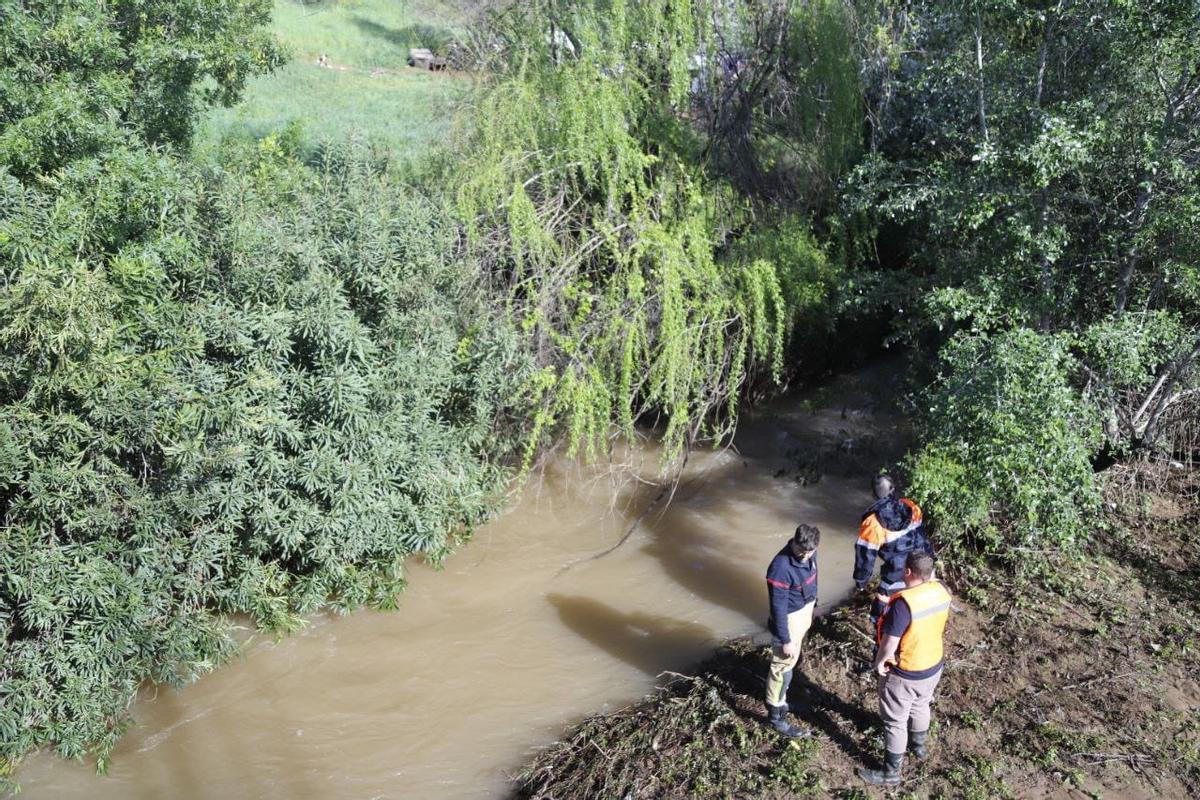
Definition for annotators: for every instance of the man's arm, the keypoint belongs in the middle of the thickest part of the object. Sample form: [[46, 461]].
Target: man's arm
[[921, 542], [886, 653], [779, 614], [896, 620], [779, 618], [779, 583], [865, 550]]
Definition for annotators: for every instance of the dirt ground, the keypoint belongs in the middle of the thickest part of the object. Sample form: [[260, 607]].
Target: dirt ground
[[1080, 682]]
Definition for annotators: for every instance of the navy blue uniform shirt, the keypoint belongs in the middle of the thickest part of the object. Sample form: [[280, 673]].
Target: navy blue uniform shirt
[[791, 585]]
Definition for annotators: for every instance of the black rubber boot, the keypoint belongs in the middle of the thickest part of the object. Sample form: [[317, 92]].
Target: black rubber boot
[[777, 718], [916, 743], [889, 775], [787, 687]]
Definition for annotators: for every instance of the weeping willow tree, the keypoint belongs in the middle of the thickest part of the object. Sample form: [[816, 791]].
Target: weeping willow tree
[[591, 189]]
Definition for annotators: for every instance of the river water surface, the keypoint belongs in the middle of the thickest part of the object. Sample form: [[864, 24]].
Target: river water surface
[[519, 635]]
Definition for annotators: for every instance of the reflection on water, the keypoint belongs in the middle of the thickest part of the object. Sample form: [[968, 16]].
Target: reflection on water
[[506, 646]]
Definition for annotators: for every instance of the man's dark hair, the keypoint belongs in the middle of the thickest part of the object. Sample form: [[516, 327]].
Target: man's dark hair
[[807, 537], [883, 486], [921, 565]]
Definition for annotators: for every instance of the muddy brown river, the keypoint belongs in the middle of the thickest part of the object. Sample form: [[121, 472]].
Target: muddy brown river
[[521, 633]]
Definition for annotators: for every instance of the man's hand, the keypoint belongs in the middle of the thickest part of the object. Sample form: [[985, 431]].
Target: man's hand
[[883, 658], [791, 649], [882, 598]]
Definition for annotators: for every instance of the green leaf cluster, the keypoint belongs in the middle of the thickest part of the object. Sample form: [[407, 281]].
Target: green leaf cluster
[[249, 390], [587, 191], [1007, 443], [1033, 171], [78, 77]]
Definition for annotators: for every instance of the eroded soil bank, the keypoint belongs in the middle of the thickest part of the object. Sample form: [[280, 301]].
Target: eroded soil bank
[[1081, 687]]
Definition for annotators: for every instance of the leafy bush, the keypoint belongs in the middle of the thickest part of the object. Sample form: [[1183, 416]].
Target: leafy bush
[[1007, 443], [1033, 168], [1141, 373], [809, 280], [253, 391]]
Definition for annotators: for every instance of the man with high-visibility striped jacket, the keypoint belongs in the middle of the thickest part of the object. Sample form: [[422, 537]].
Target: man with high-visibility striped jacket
[[891, 528], [908, 660]]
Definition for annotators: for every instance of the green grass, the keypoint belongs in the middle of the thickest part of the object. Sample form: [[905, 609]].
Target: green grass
[[369, 91]]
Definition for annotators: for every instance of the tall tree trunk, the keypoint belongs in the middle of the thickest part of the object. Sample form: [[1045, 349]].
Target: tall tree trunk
[[983, 127], [1133, 254]]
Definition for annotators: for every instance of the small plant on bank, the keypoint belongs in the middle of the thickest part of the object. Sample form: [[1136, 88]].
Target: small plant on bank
[[977, 779], [795, 771]]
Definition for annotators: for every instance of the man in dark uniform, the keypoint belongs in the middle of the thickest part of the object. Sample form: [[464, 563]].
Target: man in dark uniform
[[892, 528], [792, 593]]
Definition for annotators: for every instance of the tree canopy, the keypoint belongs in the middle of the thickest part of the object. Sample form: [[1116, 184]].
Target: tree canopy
[[604, 181], [1035, 166], [79, 77]]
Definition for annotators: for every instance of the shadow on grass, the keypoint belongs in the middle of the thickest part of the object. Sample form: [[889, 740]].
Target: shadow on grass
[[1179, 581], [430, 37]]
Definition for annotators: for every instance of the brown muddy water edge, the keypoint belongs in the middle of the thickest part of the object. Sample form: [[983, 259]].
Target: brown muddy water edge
[[1085, 688]]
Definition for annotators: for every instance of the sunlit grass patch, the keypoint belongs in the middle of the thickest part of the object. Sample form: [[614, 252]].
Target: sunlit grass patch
[[367, 90]]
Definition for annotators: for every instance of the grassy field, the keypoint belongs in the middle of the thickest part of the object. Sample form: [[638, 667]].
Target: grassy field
[[367, 90]]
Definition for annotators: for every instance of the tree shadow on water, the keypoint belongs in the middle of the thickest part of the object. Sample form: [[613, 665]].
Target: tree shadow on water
[[697, 561], [716, 567], [650, 642]]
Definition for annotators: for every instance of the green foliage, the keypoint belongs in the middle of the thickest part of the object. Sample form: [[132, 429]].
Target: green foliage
[[785, 115], [977, 779], [1007, 443], [78, 77], [794, 770], [253, 391], [1032, 168], [809, 281], [585, 189]]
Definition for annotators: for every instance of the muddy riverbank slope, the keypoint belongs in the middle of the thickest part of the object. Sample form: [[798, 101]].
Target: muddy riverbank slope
[[1081, 686]]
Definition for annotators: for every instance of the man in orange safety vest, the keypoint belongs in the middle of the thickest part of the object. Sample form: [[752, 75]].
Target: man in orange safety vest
[[908, 660]]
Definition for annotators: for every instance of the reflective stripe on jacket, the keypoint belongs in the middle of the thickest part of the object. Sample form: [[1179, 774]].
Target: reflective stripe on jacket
[[791, 585], [921, 645], [892, 546]]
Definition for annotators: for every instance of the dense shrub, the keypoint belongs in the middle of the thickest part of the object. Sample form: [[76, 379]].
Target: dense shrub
[[251, 391], [1032, 176], [1034, 166], [78, 77], [1007, 443]]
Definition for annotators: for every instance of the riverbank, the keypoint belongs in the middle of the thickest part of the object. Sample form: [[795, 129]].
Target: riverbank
[[1080, 686]]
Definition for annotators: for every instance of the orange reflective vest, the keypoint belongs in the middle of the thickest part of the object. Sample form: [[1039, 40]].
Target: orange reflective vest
[[921, 645], [870, 532], [891, 546]]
